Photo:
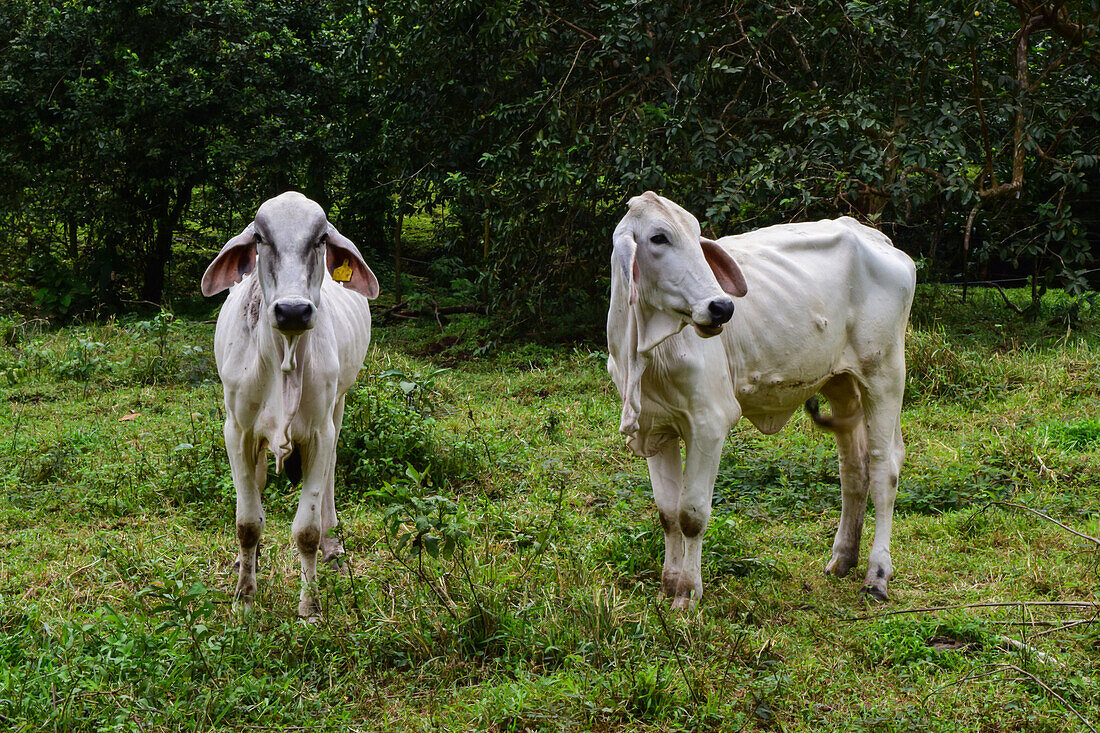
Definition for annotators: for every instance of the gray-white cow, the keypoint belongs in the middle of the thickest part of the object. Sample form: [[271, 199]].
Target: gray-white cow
[[822, 307], [289, 343]]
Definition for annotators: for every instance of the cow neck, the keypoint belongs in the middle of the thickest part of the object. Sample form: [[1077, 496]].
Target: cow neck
[[646, 329], [290, 353]]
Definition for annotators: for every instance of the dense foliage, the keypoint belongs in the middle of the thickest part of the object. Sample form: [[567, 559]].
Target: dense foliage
[[143, 133]]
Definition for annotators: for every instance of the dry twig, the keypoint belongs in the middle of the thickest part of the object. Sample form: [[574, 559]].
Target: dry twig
[[1087, 605], [1050, 519], [1058, 697]]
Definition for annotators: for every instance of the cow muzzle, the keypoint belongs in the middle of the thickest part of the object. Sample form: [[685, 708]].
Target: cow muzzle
[[720, 311], [293, 317]]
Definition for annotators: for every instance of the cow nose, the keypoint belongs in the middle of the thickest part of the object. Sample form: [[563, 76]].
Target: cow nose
[[293, 316], [720, 311]]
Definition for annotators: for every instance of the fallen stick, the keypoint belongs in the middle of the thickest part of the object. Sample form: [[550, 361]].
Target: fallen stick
[[1027, 649], [399, 311], [1050, 519], [1068, 625], [1060, 699], [393, 309], [1004, 604]]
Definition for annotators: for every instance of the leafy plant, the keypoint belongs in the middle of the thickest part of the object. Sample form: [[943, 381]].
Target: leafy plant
[[389, 425], [433, 524], [418, 389], [160, 328]]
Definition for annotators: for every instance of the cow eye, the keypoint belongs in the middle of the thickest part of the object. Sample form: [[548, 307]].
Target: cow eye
[[659, 239]]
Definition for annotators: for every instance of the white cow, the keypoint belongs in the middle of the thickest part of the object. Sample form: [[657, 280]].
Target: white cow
[[823, 308], [289, 343]]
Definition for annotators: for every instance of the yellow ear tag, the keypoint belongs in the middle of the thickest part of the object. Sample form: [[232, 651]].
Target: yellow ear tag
[[342, 274]]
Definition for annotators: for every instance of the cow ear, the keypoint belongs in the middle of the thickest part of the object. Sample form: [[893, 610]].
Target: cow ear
[[347, 266], [624, 267], [236, 260], [725, 269]]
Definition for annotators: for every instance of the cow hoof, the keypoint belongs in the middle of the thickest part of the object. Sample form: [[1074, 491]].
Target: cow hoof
[[245, 590], [309, 611], [683, 603], [879, 573], [840, 566], [876, 591]]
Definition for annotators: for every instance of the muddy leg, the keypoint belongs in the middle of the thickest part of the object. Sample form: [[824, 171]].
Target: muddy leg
[[666, 475], [851, 442], [704, 451], [249, 476]]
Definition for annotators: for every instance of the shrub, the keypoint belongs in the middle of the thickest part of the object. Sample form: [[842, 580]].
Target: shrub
[[389, 426], [937, 368]]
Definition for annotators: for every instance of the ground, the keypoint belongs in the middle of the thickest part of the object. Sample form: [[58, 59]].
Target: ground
[[504, 550]]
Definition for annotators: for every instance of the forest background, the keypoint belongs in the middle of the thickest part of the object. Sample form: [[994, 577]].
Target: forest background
[[140, 136]]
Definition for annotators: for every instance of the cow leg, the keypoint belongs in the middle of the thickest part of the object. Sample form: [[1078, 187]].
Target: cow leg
[[666, 473], [249, 476], [885, 455], [851, 442], [331, 547], [317, 460], [702, 455]]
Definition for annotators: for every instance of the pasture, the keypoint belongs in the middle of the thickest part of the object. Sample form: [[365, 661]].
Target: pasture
[[504, 549]]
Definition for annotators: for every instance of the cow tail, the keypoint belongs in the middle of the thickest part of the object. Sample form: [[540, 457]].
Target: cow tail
[[831, 422]]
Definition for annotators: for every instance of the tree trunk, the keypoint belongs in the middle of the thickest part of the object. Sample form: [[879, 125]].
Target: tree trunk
[[71, 236], [165, 220], [104, 262], [397, 253]]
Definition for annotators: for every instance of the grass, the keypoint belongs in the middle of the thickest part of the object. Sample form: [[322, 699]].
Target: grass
[[505, 551]]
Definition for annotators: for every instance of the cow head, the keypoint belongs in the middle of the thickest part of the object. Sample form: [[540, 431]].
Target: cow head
[[664, 276], [290, 244], [672, 269]]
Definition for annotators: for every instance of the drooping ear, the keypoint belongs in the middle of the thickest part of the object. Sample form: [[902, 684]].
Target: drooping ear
[[725, 269], [347, 266], [624, 266], [624, 364], [236, 260], [633, 331]]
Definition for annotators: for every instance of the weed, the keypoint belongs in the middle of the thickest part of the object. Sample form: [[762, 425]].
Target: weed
[[951, 486], [1074, 436], [909, 641], [938, 367], [418, 523], [389, 425]]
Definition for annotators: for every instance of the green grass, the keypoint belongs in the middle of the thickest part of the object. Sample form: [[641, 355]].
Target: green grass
[[509, 581]]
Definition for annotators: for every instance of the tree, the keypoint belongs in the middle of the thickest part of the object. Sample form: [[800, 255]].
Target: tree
[[123, 110], [969, 133], [905, 114]]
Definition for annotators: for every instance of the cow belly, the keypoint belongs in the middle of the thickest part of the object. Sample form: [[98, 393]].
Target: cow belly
[[769, 406], [769, 423]]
